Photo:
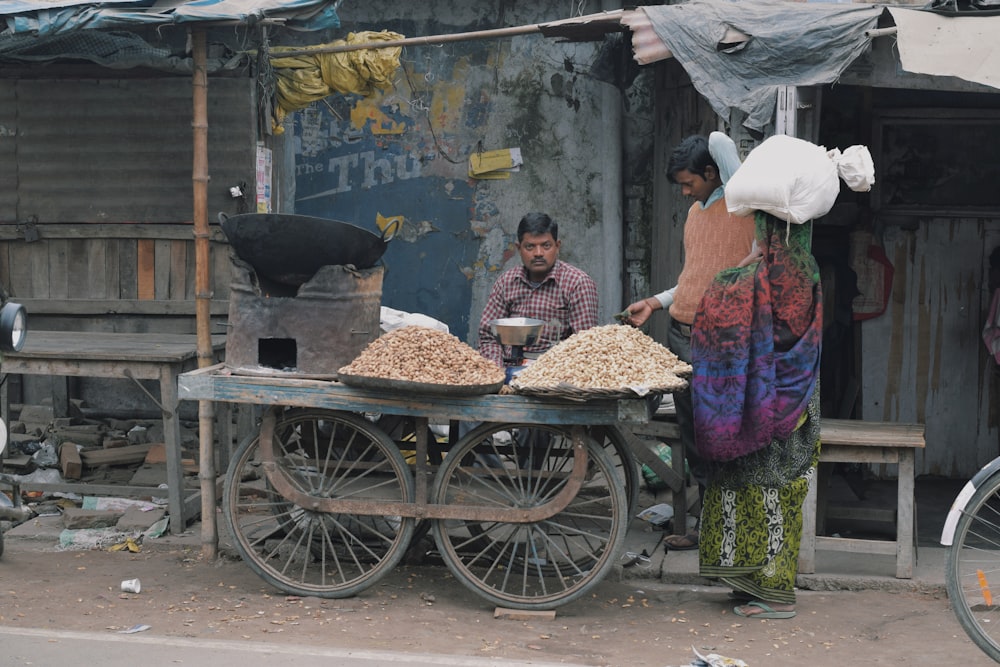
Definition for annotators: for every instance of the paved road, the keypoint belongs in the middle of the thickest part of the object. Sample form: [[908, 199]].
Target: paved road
[[23, 646]]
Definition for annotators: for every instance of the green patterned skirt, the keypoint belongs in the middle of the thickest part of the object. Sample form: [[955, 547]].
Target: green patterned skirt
[[751, 518]]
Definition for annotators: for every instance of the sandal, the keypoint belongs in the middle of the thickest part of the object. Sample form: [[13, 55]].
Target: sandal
[[766, 611], [681, 542]]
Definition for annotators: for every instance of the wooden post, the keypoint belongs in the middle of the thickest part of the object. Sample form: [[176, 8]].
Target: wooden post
[[203, 291]]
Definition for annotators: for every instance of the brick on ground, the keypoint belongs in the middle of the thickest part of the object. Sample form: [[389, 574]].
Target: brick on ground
[[76, 518], [138, 519]]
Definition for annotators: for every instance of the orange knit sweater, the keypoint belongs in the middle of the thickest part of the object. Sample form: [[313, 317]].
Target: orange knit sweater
[[714, 239]]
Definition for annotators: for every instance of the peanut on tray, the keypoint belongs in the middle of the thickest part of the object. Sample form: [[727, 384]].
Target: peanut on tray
[[422, 354], [611, 357]]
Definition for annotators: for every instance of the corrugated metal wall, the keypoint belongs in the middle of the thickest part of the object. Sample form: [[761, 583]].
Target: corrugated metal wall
[[935, 369], [118, 150], [98, 199]]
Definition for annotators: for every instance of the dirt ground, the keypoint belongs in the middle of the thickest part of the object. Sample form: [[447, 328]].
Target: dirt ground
[[422, 609]]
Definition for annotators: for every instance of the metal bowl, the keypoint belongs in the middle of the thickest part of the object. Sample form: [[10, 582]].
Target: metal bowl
[[517, 330]]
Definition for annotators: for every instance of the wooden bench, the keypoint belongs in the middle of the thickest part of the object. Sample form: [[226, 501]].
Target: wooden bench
[[159, 357], [854, 441]]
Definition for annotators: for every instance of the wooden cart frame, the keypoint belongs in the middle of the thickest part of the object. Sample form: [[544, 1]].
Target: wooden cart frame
[[529, 509]]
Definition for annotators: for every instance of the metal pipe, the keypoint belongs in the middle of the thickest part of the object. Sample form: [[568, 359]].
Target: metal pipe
[[881, 32]]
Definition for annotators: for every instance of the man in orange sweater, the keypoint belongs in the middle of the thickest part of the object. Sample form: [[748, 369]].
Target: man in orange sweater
[[714, 240]]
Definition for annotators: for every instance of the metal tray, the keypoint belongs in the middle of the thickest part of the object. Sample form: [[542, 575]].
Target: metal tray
[[385, 384]]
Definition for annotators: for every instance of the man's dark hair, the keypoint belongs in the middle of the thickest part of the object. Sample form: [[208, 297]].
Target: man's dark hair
[[691, 154], [537, 224]]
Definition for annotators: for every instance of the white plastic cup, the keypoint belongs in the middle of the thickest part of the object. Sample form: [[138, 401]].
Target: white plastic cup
[[131, 586]]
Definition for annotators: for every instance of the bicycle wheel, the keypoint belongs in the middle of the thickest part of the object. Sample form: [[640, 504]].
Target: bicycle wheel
[[325, 455], [538, 565], [973, 567]]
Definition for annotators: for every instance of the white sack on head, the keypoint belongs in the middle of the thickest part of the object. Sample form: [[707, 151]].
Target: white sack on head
[[855, 167], [790, 178]]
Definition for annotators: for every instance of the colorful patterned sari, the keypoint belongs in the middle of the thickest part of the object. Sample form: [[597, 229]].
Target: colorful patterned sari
[[755, 350]]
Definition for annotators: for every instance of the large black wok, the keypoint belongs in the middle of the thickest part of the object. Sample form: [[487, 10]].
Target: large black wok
[[290, 249]]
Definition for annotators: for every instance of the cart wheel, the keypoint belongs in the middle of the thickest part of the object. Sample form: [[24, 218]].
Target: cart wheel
[[538, 565], [325, 454], [614, 443]]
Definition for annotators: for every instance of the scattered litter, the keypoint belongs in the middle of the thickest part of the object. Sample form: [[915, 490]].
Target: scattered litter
[[658, 515], [128, 545], [101, 503], [642, 561], [131, 586], [41, 476], [157, 529], [92, 538], [161, 501], [713, 660], [134, 629], [46, 456]]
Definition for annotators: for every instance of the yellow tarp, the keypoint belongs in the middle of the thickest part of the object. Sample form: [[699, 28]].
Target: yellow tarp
[[301, 80]]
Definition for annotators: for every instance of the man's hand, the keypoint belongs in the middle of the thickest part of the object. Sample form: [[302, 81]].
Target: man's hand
[[640, 311]]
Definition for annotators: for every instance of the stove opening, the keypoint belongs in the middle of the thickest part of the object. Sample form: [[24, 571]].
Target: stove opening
[[279, 353]]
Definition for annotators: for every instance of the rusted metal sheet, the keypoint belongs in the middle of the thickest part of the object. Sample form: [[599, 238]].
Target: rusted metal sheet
[[121, 150], [923, 360]]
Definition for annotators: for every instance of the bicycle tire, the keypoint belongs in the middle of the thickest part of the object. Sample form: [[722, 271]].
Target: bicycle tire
[[974, 556]]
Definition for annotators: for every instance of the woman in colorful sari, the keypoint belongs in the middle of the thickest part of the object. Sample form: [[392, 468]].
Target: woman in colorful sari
[[755, 350]]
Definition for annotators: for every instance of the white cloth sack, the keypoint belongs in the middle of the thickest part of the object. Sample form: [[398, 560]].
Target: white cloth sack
[[796, 180]]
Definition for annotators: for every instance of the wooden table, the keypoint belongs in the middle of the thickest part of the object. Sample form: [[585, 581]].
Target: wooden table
[[142, 356]]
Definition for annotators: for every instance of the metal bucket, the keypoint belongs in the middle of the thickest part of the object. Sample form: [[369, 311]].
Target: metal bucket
[[331, 319]]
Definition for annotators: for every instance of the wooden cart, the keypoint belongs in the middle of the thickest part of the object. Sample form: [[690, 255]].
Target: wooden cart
[[529, 509]]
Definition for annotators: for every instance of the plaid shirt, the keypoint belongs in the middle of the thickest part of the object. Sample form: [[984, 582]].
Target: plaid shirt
[[566, 300]]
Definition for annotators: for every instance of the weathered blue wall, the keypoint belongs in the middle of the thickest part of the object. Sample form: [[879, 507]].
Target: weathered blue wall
[[405, 152]]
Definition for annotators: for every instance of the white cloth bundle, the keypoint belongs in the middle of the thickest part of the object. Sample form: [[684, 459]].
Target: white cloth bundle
[[796, 180]]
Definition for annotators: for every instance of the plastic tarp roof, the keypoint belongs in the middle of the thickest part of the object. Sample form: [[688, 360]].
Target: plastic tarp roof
[[45, 18], [798, 44]]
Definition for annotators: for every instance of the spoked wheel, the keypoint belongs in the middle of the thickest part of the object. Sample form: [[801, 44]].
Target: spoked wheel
[[614, 443], [973, 566], [299, 547], [544, 563]]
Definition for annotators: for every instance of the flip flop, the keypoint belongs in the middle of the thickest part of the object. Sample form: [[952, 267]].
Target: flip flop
[[680, 542], [765, 611]]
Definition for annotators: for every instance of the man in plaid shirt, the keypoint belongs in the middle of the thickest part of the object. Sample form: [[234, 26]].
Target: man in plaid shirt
[[543, 288]]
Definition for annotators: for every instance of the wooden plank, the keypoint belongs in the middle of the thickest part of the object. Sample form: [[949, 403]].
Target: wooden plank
[[871, 434], [881, 547], [161, 278], [57, 269], [145, 269], [118, 306], [215, 384], [524, 614], [94, 230], [128, 266], [859, 454], [28, 271], [178, 276], [49, 347], [70, 461], [116, 456], [80, 279]]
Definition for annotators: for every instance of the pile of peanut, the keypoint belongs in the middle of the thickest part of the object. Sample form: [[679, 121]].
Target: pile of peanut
[[611, 357], [421, 354]]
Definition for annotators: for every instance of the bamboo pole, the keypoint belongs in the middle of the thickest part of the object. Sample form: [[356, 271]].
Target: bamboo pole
[[603, 17], [203, 293]]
